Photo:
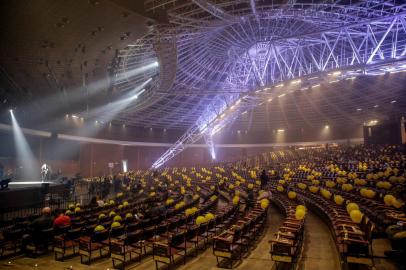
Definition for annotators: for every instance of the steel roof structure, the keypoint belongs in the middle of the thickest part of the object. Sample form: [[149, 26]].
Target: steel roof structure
[[220, 59]]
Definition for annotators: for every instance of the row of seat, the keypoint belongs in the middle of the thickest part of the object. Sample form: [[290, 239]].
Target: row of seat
[[185, 241], [90, 240], [287, 243], [232, 243], [353, 240]]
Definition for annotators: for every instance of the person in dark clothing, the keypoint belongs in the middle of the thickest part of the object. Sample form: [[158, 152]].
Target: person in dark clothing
[[264, 179], [93, 202], [37, 226], [45, 221], [250, 200]]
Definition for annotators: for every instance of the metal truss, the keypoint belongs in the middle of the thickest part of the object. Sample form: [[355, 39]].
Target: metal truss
[[271, 46]]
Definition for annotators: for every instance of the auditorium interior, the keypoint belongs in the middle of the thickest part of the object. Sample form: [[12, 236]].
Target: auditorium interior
[[203, 134]]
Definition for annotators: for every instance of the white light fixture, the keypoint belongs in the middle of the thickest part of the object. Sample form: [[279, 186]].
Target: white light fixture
[[297, 81], [316, 85], [326, 126], [393, 101], [269, 100], [359, 109], [279, 85], [282, 95], [280, 130]]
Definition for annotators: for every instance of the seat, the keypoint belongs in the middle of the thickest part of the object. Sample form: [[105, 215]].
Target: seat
[[122, 249], [165, 252], [95, 242], [225, 246], [40, 242], [63, 243], [11, 241]]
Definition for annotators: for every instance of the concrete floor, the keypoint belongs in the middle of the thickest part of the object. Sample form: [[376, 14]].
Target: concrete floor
[[319, 253]]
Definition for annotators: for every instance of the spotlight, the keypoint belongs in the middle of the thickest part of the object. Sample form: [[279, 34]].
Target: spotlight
[[326, 126], [280, 130]]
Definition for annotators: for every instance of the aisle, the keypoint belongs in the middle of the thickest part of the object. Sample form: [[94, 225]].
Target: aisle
[[319, 251]]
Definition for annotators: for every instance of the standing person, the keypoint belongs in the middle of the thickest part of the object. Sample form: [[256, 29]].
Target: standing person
[[264, 179]]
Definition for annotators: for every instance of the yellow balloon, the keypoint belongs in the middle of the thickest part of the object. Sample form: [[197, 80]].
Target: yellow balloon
[[352, 206], [200, 220], [236, 200], [338, 199], [292, 195], [397, 204], [280, 188], [356, 216], [389, 199], [299, 214], [209, 216], [264, 203]]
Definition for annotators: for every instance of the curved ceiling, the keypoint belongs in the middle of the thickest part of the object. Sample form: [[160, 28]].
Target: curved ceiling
[[83, 54]]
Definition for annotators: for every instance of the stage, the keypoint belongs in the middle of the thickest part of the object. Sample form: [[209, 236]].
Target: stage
[[20, 194]]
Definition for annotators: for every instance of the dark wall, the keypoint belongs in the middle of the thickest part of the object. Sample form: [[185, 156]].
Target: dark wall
[[384, 133]]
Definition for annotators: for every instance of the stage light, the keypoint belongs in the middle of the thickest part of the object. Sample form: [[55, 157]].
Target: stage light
[[11, 111], [359, 109], [351, 78], [313, 78], [376, 106], [326, 126], [279, 85], [280, 130], [316, 85], [75, 116], [282, 95], [30, 167], [269, 100], [334, 81], [393, 101]]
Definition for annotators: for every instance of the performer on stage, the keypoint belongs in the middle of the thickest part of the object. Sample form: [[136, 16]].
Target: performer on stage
[[45, 172]]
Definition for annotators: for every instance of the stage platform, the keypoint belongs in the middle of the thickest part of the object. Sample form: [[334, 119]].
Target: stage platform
[[20, 194], [24, 184]]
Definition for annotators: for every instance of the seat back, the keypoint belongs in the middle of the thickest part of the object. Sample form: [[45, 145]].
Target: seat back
[[177, 239], [100, 236]]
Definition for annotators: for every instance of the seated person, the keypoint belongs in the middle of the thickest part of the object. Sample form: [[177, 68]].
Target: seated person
[[44, 222], [61, 220]]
